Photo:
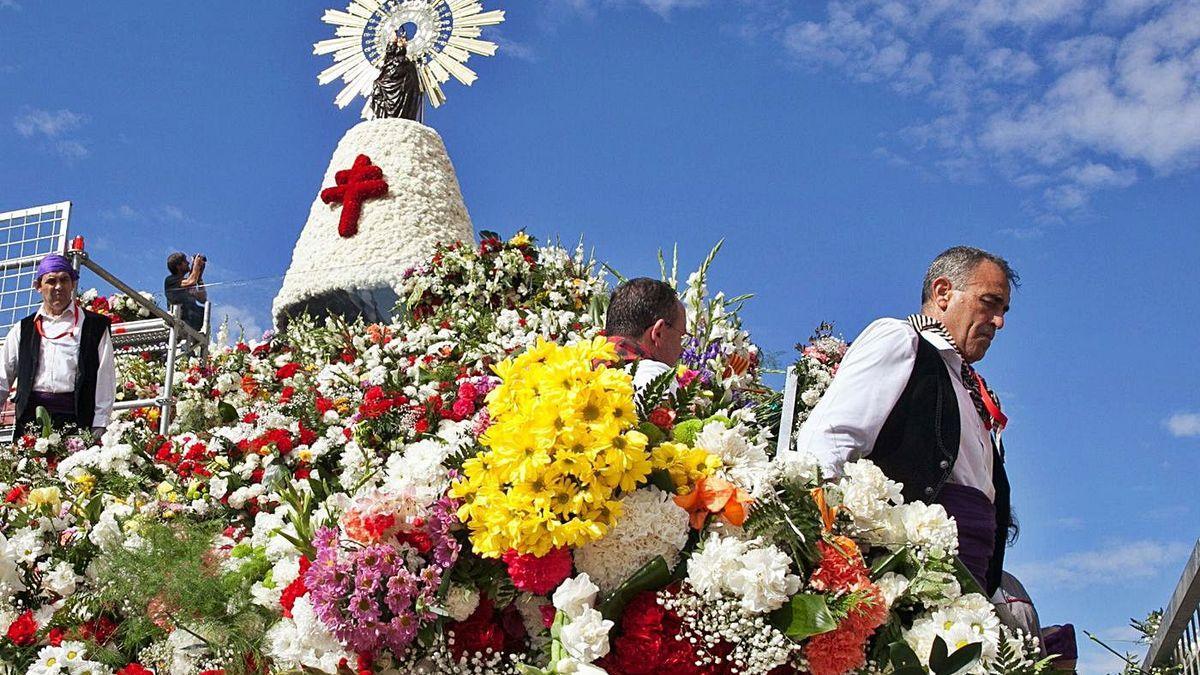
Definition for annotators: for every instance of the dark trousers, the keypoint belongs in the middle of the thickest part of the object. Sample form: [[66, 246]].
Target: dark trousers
[[28, 424]]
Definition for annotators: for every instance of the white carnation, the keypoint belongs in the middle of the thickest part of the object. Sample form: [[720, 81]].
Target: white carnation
[[717, 560], [418, 472], [303, 642], [461, 602], [927, 528], [892, 586], [764, 582], [61, 580], [651, 525]]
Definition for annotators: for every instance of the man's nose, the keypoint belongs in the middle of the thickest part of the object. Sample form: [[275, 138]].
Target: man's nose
[[998, 321]]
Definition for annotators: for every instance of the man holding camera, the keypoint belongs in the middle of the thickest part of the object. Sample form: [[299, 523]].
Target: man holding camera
[[185, 287]]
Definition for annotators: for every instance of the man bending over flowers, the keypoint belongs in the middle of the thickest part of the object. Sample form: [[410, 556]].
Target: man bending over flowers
[[647, 323]]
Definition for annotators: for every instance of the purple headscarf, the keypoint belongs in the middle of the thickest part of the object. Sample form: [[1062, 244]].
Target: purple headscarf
[[55, 263]]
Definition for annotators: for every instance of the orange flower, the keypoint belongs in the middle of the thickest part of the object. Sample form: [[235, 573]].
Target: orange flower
[[714, 495], [828, 514], [249, 385]]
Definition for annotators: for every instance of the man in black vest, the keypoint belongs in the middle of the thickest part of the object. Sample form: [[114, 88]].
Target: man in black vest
[[907, 397], [61, 357]]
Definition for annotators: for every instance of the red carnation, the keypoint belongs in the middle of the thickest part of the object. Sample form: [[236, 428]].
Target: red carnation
[[479, 633], [55, 637], [287, 371], [840, 569], [296, 589], [23, 631], [135, 669], [17, 494], [844, 648], [538, 575], [662, 418], [648, 643]]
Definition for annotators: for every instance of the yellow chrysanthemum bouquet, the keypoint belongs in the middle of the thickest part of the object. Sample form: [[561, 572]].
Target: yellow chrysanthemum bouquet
[[562, 449]]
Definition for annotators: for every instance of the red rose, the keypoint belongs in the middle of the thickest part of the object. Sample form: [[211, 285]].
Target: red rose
[[23, 631], [538, 575], [135, 669], [421, 426]]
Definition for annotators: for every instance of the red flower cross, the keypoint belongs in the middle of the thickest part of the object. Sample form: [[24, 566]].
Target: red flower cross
[[355, 185]]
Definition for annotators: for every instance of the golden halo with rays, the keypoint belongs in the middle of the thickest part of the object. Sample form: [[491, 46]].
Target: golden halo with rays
[[446, 35]]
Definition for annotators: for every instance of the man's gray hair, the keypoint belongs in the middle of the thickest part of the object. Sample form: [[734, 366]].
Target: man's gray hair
[[957, 264]]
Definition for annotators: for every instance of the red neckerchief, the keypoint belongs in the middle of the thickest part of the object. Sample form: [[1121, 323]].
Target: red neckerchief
[[37, 322]]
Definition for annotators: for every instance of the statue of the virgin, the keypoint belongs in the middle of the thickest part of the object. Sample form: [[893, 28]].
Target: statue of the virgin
[[397, 91]]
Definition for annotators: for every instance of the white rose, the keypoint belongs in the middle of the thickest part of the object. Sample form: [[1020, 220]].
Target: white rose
[[586, 637], [573, 596]]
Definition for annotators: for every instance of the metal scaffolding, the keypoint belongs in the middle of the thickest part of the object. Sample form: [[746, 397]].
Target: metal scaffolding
[[165, 331]]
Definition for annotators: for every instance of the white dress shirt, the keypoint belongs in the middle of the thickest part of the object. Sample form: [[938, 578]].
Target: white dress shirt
[[59, 362], [647, 371], [872, 376]]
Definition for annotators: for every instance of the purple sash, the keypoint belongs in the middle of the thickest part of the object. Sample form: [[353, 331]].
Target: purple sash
[[976, 518], [59, 404]]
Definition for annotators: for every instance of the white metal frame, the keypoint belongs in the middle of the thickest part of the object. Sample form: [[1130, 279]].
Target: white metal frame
[[1177, 642], [31, 261]]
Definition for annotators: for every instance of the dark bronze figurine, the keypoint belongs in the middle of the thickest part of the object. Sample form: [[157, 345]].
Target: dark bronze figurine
[[397, 91]]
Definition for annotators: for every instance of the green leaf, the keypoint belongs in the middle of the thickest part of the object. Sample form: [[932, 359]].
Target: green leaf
[[966, 580], [888, 563], [902, 656], [961, 658], [43, 416], [652, 576], [803, 616], [937, 655], [229, 414]]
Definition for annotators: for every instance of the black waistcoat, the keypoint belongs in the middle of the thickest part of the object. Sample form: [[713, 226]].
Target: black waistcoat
[[918, 445], [30, 355]]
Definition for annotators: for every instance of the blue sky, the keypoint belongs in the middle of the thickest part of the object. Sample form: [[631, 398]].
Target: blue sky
[[836, 147]]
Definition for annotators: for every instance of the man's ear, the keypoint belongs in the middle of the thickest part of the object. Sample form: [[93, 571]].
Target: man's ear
[[941, 287], [655, 331]]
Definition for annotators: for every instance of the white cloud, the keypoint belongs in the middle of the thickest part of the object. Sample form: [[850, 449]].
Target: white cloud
[[661, 7], [51, 127], [1117, 562], [50, 124], [1087, 92], [241, 319], [1183, 425], [10, 4]]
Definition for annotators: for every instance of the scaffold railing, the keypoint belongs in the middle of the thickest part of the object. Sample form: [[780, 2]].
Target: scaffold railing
[[1177, 642], [164, 331]]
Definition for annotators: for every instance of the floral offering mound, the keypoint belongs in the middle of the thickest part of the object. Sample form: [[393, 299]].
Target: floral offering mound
[[477, 487]]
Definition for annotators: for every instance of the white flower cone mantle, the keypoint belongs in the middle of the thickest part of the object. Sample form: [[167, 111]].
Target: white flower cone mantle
[[353, 276]]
